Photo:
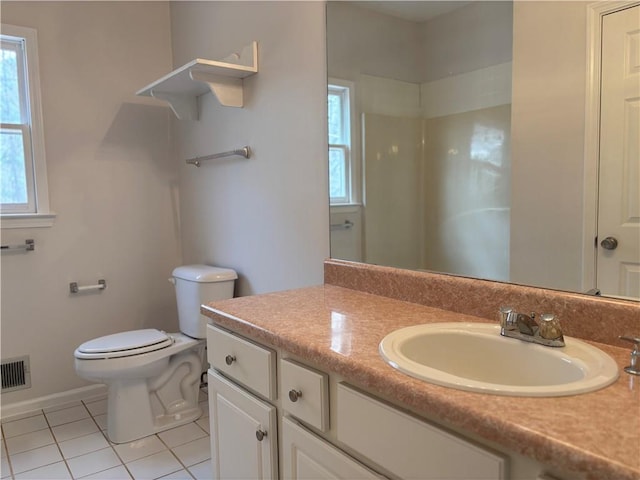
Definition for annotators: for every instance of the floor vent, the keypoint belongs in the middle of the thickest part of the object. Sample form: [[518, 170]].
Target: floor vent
[[15, 374]]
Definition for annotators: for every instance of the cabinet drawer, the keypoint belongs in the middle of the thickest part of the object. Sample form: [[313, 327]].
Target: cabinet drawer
[[246, 362], [407, 446], [305, 394]]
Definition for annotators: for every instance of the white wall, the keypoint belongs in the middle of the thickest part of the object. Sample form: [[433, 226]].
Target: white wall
[[467, 39], [112, 183], [549, 77], [361, 41], [267, 217]]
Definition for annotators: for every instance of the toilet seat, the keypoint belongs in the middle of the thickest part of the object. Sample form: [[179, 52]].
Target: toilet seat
[[124, 344]]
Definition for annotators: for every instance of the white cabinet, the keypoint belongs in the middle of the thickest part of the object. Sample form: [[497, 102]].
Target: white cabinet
[[308, 457], [244, 438], [249, 364], [407, 446], [305, 394], [324, 425]]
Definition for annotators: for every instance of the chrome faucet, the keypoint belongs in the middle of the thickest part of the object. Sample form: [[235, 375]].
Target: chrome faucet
[[524, 327]]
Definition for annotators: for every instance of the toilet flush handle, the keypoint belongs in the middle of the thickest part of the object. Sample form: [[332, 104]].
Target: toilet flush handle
[[171, 280]]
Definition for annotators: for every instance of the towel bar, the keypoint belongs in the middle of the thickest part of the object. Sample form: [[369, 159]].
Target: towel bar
[[29, 245]]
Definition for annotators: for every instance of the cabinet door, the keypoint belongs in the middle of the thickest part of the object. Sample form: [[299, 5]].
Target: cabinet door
[[308, 457], [243, 433]]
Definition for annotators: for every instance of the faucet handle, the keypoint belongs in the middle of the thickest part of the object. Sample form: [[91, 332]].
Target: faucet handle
[[550, 327], [504, 315], [634, 368]]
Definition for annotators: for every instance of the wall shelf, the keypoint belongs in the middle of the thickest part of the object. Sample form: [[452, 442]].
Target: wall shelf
[[223, 78]]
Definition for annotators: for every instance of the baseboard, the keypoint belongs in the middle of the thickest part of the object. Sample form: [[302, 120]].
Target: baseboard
[[20, 408]]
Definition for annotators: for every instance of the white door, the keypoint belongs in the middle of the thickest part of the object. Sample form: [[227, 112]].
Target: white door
[[243, 433], [618, 259], [307, 457]]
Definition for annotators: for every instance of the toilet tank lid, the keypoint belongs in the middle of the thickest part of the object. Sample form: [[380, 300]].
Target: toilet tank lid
[[204, 273]]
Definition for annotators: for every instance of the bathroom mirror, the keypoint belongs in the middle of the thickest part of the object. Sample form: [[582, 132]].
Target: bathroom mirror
[[460, 138]]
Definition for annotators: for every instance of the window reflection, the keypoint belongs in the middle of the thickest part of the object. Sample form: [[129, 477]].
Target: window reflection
[[340, 334]]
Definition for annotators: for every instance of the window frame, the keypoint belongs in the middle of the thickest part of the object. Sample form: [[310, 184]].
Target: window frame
[[36, 213], [350, 149]]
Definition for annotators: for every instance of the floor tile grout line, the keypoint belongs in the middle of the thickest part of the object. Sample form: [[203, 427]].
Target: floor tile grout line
[[175, 456], [6, 449], [57, 445], [110, 445], [4, 437]]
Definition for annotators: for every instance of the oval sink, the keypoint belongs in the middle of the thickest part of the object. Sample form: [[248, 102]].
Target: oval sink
[[475, 357]]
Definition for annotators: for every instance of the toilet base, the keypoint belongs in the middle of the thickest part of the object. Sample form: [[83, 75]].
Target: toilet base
[[137, 408], [134, 420]]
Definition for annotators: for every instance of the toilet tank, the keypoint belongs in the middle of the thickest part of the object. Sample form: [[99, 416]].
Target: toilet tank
[[198, 284]]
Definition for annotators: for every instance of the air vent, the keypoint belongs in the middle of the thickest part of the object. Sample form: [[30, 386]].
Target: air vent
[[15, 374]]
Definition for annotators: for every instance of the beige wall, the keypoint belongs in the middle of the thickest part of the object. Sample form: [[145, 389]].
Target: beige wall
[[268, 216], [112, 184], [361, 41], [114, 173], [549, 77]]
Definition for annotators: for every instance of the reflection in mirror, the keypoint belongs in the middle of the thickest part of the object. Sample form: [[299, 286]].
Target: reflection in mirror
[[467, 142]]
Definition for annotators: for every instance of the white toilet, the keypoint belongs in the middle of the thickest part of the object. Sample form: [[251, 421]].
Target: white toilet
[[153, 376]]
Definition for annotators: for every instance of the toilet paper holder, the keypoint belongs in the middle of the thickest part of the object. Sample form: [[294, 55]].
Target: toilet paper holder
[[74, 288]]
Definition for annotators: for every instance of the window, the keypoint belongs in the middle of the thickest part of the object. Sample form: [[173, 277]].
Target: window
[[23, 178], [341, 177]]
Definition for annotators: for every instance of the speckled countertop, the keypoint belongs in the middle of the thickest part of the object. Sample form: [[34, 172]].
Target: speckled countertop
[[596, 435]]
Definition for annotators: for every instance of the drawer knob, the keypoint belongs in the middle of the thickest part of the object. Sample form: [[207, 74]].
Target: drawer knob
[[229, 359], [260, 434], [294, 395]]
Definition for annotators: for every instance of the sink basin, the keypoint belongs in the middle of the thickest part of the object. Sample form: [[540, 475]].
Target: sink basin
[[475, 357]]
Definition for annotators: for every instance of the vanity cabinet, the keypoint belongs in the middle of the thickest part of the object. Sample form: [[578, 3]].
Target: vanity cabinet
[[243, 432], [272, 416], [243, 422]]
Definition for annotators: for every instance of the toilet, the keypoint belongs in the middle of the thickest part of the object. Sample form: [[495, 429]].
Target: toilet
[[153, 377]]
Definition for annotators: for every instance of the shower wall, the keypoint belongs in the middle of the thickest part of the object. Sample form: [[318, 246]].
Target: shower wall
[[437, 179], [467, 190], [393, 204]]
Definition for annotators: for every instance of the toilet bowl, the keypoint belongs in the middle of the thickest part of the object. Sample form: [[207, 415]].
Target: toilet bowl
[[153, 377]]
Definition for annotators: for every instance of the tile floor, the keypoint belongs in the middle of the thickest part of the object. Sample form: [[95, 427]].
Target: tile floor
[[69, 442]]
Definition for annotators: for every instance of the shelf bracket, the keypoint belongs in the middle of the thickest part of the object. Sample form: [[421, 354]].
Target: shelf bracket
[[224, 78], [227, 90], [185, 107], [248, 57]]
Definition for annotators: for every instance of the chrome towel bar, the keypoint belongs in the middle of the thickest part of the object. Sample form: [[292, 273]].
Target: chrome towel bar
[[342, 226], [29, 245], [74, 288], [241, 152]]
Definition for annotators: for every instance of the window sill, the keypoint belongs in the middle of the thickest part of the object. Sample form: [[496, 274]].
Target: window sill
[[27, 220], [345, 205]]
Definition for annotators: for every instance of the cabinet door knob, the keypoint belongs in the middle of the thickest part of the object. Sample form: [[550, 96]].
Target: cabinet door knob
[[229, 359], [294, 395], [260, 434]]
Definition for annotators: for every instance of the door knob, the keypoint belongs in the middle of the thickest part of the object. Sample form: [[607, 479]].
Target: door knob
[[609, 243], [260, 434]]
